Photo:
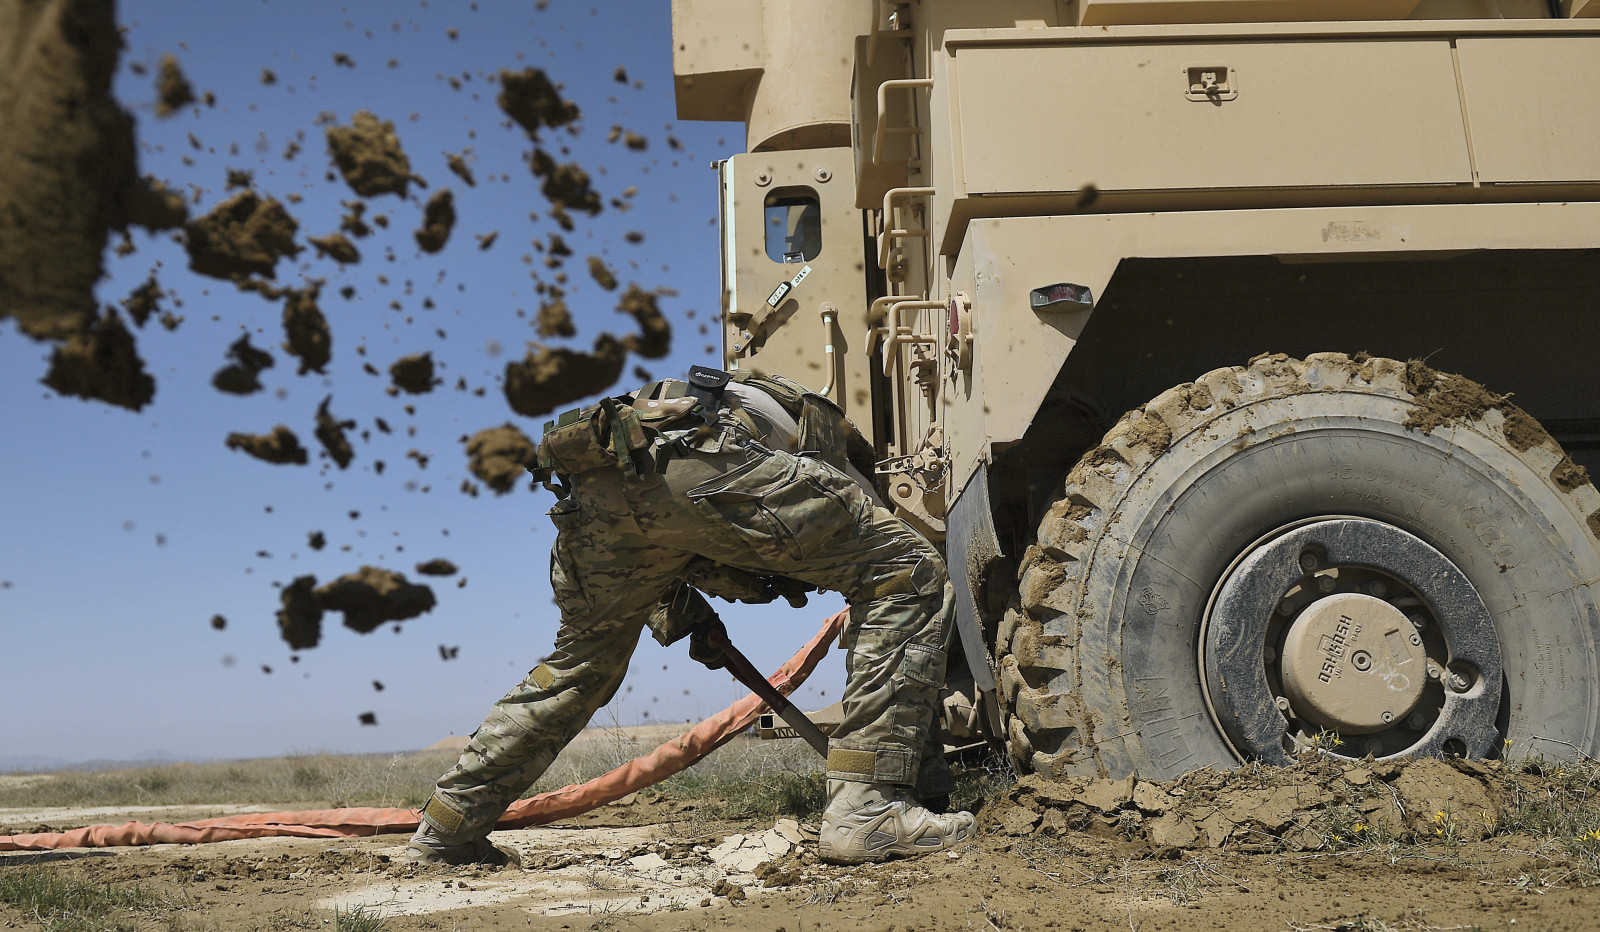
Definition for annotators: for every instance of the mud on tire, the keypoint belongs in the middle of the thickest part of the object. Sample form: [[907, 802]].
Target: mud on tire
[[1098, 654]]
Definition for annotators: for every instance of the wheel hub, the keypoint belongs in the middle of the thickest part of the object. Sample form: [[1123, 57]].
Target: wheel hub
[[1354, 628], [1353, 663]]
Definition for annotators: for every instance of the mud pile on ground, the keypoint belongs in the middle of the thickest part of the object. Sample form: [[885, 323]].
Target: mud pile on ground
[[369, 598], [1319, 803], [369, 156]]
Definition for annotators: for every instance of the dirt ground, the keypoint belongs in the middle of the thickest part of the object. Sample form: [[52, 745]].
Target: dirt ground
[[1330, 845]]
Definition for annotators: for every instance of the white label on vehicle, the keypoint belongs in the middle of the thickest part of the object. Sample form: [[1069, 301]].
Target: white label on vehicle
[[783, 289]]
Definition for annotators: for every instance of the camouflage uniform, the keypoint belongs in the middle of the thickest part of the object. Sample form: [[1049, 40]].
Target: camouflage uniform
[[624, 545]]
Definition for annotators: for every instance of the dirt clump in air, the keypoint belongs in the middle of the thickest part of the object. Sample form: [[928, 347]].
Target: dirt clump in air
[[529, 98], [300, 613], [564, 184], [458, 166], [241, 376], [102, 363], [500, 456], [352, 221], [437, 567], [336, 246], [372, 596], [555, 318], [308, 338], [369, 155], [173, 90], [281, 447], [438, 219], [149, 203], [143, 301], [413, 374], [551, 376], [654, 339], [245, 235], [602, 274], [330, 433], [69, 163]]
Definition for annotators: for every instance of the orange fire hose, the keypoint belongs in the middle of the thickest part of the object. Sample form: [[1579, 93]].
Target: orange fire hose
[[566, 802]]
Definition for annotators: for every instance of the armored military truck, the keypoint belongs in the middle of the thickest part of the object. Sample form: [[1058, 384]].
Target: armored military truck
[[1154, 310]]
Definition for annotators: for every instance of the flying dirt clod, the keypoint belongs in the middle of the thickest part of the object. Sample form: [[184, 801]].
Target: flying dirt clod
[[369, 156], [330, 433], [245, 235], [280, 447], [500, 456], [551, 376]]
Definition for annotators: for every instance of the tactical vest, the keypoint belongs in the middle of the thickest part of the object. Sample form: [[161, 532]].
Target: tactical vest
[[640, 432]]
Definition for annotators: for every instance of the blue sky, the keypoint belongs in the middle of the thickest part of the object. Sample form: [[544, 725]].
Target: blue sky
[[126, 532]]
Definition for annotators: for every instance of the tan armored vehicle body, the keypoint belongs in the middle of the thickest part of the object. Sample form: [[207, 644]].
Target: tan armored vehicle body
[[1042, 251]]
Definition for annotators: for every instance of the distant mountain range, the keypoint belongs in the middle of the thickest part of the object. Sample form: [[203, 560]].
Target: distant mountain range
[[38, 763]]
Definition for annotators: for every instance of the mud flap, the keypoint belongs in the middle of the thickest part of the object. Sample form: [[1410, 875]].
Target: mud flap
[[970, 546]]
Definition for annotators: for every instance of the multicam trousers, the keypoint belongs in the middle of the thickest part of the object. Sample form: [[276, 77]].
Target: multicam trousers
[[622, 543]]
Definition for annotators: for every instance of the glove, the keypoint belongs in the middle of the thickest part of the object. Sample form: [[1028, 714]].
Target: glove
[[700, 647]]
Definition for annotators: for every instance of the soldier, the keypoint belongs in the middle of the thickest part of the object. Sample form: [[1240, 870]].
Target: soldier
[[712, 483]]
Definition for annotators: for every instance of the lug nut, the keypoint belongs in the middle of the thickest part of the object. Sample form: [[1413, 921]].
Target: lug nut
[[1283, 703], [1377, 588], [1416, 720], [1308, 561], [1434, 673], [1459, 683], [1325, 583], [1417, 621], [1269, 654]]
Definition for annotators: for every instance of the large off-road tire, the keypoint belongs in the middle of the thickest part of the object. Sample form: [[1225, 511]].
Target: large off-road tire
[[1190, 569]]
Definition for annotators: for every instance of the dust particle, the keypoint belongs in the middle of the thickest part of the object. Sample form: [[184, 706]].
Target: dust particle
[[316, 540], [102, 363], [438, 218], [485, 240], [369, 156], [413, 374], [351, 222], [654, 339], [549, 377], [368, 718], [173, 90], [240, 178], [458, 165], [437, 567], [268, 76], [218, 623], [372, 596], [244, 235], [499, 456], [336, 246], [330, 433]]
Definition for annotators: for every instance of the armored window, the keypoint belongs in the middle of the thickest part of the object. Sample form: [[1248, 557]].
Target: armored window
[[794, 225]]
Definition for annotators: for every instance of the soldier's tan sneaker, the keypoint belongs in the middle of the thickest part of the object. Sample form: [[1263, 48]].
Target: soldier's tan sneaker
[[876, 822]]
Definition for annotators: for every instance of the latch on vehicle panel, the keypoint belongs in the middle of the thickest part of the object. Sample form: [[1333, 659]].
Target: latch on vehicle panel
[[1214, 83]]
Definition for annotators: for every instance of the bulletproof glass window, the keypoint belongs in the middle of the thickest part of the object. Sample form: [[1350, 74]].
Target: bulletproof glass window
[[794, 225]]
